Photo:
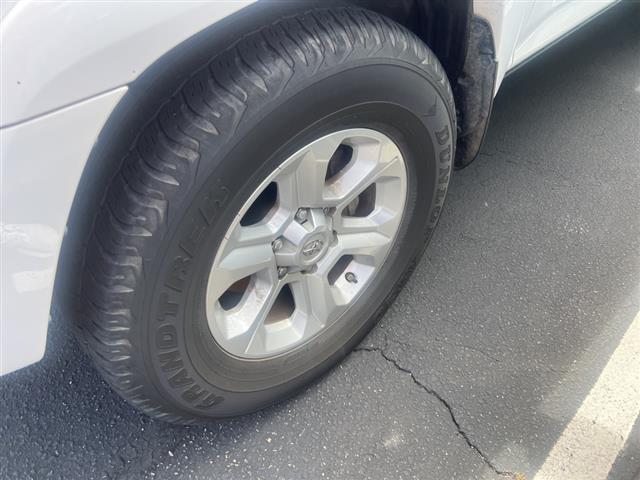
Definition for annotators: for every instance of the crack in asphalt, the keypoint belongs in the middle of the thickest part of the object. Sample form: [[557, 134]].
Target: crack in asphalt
[[447, 342], [440, 398]]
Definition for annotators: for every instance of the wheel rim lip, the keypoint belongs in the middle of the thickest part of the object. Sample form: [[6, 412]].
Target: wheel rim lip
[[210, 309]]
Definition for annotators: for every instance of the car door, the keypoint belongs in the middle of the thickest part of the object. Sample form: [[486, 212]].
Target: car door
[[549, 20]]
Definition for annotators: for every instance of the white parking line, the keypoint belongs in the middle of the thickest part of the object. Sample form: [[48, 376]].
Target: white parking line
[[592, 440]]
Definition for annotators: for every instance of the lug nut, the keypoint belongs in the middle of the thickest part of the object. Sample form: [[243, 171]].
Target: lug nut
[[282, 271], [277, 244], [351, 277], [301, 215]]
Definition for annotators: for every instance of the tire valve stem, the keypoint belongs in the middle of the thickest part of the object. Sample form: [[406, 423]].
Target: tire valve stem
[[351, 277]]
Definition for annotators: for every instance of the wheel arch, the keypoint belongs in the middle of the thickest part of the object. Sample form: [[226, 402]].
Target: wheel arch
[[464, 45], [443, 25]]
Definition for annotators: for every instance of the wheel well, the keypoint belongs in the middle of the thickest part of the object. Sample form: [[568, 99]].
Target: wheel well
[[464, 45], [442, 25]]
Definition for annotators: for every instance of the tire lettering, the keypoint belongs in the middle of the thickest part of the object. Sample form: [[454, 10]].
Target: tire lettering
[[436, 213], [211, 401], [443, 177], [445, 155], [170, 361], [190, 243], [166, 307], [167, 336], [178, 272], [214, 201], [193, 393], [180, 379], [442, 136], [170, 357]]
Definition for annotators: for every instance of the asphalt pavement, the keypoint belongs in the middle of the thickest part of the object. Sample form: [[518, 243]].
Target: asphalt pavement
[[529, 284]]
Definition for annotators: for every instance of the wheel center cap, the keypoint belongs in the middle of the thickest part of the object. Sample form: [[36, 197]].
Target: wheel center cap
[[312, 248], [303, 244]]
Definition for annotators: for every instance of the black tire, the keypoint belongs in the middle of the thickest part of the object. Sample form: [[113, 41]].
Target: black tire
[[194, 165]]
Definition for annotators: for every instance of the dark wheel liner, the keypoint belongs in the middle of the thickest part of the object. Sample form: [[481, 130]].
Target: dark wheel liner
[[145, 238]]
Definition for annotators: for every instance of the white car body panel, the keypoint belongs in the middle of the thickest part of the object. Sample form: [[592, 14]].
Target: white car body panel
[[506, 19], [90, 48], [42, 161], [65, 67], [548, 21], [522, 29]]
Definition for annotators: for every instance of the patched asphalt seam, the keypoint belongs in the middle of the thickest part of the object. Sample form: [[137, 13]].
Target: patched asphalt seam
[[439, 397]]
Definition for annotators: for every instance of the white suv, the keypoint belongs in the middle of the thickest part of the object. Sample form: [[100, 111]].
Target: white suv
[[224, 197]]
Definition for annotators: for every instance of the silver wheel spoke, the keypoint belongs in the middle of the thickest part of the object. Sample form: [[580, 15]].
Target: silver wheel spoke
[[371, 245], [252, 321], [305, 175], [240, 263], [369, 165], [314, 293], [249, 236], [382, 220]]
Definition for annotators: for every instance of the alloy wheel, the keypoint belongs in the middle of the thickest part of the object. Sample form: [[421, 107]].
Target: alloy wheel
[[306, 244]]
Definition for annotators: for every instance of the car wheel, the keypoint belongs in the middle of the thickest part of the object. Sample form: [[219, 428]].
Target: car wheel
[[266, 217]]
